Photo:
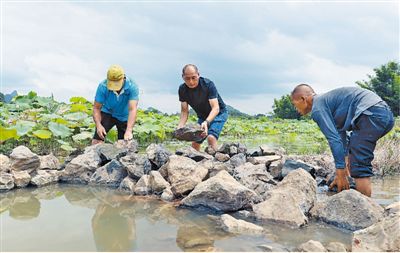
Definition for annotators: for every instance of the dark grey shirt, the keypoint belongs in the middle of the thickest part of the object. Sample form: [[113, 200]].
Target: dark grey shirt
[[335, 113]]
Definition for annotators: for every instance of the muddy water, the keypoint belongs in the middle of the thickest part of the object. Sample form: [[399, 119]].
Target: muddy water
[[81, 218]]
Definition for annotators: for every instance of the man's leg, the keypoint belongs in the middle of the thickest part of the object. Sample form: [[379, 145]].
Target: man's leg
[[215, 129], [196, 145], [107, 123], [212, 141], [121, 127], [363, 185]]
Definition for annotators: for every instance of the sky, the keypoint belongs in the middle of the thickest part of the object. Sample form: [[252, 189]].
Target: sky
[[254, 51]]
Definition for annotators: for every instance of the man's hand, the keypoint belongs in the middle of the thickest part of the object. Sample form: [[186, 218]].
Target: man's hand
[[128, 135], [340, 180], [204, 127], [101, 131]]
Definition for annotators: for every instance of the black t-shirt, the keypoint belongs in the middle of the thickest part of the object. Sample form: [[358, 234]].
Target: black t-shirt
[[198, 97]]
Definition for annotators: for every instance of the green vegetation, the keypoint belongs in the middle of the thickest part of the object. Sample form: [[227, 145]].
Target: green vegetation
[[284, 109], [386, 83]]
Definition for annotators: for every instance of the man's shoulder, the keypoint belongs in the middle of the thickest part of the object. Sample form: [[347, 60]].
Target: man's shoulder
[[102, 86], [182, 87], [206, 81], [131, 83]]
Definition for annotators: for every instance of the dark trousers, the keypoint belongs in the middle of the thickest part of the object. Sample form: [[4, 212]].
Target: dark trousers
[[109, 122]]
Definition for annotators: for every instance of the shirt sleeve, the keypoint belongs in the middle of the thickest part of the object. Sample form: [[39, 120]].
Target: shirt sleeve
[[212, 91], [134, 92], [345, 140], [325, 122], [100, 94], [181, 93]]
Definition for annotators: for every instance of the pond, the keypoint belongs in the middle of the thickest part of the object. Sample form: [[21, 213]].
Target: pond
[[81, 218]]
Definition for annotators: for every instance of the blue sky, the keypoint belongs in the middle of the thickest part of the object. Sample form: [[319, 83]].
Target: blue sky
[[253, 51]]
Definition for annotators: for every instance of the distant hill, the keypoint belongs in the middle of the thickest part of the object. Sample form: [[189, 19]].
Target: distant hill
[[9, 97], [231, 111]]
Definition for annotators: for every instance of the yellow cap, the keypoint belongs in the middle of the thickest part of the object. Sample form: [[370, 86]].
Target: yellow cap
[[115, 77]]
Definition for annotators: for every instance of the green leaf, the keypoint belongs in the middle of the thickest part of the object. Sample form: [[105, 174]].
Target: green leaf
[[42, 134], [82, 136], [59, 130], [78, 100], [67, 147], [32, 95], [76, 116], [7, 133], [23, 127], [78, 108]]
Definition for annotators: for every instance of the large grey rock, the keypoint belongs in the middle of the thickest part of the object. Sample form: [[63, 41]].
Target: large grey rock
[[291, 165], [131, 146], [189, 133], [232, 225], [218, 166], [22, 158], [110, 174], [184, 174], [6, 181], [193, 154], [336, 247], [167, 194], [382, 236], [157, 182], [81, 168], [108, 152], [222, 157], [21, 178], [393, 208], [127, 185], [44, 177], [222, 193], [290, 201], [143, 186], [275, 168], [232, 149], [255, 177], [157, 154], [49, 162], [348, 209], [265, 160], [136, 165], [5, 165], [311, 246], [237, 160]]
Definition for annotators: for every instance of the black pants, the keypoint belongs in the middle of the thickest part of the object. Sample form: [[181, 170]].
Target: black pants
[[108, 122]]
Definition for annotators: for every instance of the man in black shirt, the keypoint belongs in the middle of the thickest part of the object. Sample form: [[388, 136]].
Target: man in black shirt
[[202, 95]]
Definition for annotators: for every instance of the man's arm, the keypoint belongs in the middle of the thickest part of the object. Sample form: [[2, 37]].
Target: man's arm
[[97, 120], [132, 105], [214, 112], [184, 114]]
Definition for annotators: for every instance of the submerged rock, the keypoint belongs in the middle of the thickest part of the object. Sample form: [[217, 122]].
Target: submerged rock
[[290, 201], [232, 225], [379, 237], [22, 158], [311, 246], [221, 193], [184, 174], [189, 133], [348, 209], [336, 247]]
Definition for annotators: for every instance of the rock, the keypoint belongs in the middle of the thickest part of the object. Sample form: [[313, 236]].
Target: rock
[[81, 168], [209, 150], [44, 177], [255, 177], [275, 168], [222, 157], [194, 239], [127, 185], [131, 146], [232, 225], [291, 165], [233, 150], [110, 152], [348, 209], [110, 174], [272, 248], [237, 160], [193, 154], [245, 213], [143, 186], [157, 154], [22, 158], [21, 178], [157, 182], [311, 246], [393, 208], [265, 160], [4, 163], [189, 133], [49, 162], [267, 150], [136, 165], [217, 168], [184, 174], [6, 181], [167, 194], [336, 247], [290, 201], [222, 193], [382, 236]]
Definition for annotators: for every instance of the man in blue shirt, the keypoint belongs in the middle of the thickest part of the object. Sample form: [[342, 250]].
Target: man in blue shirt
[[115, 104], [202, 95], [352, 120]]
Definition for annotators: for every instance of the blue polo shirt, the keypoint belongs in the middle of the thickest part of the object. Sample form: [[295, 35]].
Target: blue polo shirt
[[335, 113], [114, 103]]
